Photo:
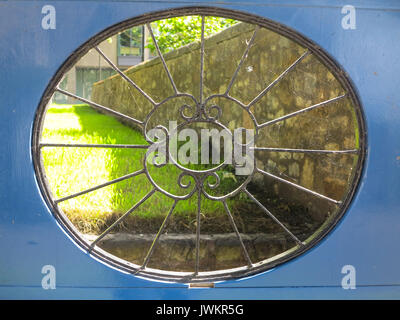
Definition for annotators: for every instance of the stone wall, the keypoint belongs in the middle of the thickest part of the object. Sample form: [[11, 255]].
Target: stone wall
[[332, 127]]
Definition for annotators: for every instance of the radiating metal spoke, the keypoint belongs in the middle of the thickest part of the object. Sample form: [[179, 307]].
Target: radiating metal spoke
[[160, 231], [205, 111], [133, 174], [100, 107], [321, 104], [125, 77], [202, 60], [161, 57], [198, 232], [107, 231], [246, 52], [89, 145], [305, 150], [298, 186], [245, 252], [273, 217], [273, 83]]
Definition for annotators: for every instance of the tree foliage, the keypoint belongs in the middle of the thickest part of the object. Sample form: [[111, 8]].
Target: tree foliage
[[176, 32]]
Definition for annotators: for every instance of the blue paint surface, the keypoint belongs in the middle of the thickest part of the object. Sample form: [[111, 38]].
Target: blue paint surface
[[367, 237]]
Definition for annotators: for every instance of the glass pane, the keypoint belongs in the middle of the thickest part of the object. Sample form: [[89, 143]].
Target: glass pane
[[130, 42]]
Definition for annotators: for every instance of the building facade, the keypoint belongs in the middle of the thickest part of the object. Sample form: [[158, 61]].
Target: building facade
[[126, 49]]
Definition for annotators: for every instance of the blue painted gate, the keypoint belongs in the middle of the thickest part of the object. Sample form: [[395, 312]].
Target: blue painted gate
[[366, 238]]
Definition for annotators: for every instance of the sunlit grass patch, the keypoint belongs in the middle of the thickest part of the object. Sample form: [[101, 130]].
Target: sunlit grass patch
[[70, 170]]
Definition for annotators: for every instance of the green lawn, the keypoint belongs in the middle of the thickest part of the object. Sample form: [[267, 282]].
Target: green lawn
[[71, 170]]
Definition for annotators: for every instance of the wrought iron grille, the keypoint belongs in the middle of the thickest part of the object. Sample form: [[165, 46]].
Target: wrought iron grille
[[207, 107]]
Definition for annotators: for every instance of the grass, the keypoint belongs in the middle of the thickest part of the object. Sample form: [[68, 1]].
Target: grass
[[71, 170]]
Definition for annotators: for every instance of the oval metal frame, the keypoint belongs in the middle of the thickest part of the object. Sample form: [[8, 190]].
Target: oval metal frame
[[189, 277]]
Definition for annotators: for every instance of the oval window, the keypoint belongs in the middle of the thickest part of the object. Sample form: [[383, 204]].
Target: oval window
[[198, 145]]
